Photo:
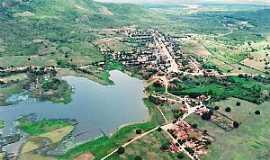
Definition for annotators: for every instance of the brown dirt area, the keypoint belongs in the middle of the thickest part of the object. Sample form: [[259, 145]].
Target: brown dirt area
[[85, 156]]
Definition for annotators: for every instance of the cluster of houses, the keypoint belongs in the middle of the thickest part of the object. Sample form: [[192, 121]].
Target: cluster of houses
[[157, 53], [189, 138]]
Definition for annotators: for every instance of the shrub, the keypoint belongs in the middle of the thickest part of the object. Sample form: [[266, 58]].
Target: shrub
[[138, 158], [121, 150]]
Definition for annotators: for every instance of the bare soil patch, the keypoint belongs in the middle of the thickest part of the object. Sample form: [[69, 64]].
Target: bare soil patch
[[85, 156]]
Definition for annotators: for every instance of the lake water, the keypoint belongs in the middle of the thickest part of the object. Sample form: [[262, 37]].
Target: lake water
[[94, 106]]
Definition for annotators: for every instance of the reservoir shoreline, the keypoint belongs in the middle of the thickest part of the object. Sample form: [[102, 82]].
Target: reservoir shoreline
[[124, 96]]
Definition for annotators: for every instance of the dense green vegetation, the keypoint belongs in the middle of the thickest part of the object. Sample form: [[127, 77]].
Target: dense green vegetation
[[43, 126], [103, 145], [221, 88], [156, 88], [109, 66], [61, 90]]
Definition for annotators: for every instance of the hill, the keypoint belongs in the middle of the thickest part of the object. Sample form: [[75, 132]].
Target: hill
[[26, 25]]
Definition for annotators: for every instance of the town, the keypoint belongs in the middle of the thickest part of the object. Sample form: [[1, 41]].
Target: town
[[162, 63]]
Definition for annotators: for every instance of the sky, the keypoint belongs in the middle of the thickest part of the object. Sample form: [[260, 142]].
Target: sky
[[189, 1]]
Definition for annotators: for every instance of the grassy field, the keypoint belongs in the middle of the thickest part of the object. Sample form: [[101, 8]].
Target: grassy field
[[149, 148], [104, 145], [37, 142], [171, 111], [54, 136], [251, 57], [2, 156], [250, 141], [40, 127]]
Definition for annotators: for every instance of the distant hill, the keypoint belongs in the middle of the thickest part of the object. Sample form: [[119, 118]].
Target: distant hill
[[60, 21], [262, 2]]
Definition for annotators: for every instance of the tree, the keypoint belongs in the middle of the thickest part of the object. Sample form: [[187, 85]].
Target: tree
[[257, 112], [210, 92], [181, 142], [181, 155], [177, 113], [238, 103], [194, 125], [208, 142], [138, 131], [165, 146], [236, 124], [189, 150], [228, 109], [216, 108], [207, 115], [121, 150]]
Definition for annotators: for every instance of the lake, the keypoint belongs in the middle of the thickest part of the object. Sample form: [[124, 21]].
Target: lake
[[96, 107]]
